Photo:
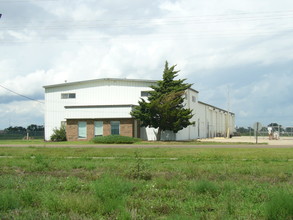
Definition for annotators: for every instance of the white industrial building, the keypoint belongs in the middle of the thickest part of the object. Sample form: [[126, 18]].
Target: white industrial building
[[102, 107]]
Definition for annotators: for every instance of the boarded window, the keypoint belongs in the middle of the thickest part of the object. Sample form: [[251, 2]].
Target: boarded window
[[82, 129], [115, 127], [98, 128]]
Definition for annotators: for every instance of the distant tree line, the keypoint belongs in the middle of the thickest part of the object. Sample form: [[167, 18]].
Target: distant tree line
[[21, 130], [275, 127], [32, 131]]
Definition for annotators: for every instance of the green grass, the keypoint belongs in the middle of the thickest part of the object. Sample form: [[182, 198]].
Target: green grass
[[134, 141], [42, 142], [280, 206], [114, 139], [145, 183]]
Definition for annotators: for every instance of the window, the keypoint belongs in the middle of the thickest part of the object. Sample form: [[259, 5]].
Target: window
[[144, 93], [98, 128], [81, 129], [68, 96], [115, 127]]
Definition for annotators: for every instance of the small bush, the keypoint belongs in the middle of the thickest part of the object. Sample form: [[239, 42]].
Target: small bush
[[114, 139], [139, 169], [280, 206], [59, 134]]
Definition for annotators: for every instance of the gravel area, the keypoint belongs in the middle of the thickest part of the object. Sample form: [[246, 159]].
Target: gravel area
[[282, 141]]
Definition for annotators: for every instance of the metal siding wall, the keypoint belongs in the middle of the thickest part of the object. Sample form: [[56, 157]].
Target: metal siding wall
[[115, 92], [106, 112], [104, 92], [147, 133], [214, 121], [190, 132]]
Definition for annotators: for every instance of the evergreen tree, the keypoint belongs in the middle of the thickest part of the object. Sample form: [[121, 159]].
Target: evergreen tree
[[165, 106]]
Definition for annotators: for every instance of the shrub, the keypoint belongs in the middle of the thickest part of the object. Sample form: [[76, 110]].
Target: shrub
[[59, 134], [280, 206], [114, 139], [139, 169]]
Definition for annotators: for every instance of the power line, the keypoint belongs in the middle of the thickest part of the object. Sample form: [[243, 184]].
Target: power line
[[269, 18], [142, 22], [26, 1], [163, 36], [21, 95]]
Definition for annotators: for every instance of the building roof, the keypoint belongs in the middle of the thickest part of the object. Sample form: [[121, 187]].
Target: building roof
[[212, 106], [104, 79], [97, 80]]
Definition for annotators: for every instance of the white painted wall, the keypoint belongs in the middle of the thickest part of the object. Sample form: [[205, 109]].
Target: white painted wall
[[190, 132], [105, 97], [214, 121], [92, 92], [98, 112]]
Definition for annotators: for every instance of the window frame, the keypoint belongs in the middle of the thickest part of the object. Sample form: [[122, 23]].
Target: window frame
[[71, 95], [115, 123], [144, 93], [95, 128], [80, 131]]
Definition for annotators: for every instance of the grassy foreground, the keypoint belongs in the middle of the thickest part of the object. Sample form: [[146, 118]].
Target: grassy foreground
[[134, 141], [148, 183]]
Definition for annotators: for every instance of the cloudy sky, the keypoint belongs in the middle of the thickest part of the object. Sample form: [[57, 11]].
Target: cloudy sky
[[236, 53]]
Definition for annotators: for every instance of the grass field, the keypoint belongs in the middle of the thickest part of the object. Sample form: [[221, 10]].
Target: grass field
[[146, 183], [41, 142]]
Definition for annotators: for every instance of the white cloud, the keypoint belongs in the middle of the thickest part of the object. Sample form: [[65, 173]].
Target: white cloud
[[21, 113], [246, 45], [77, 12], [26, 85]]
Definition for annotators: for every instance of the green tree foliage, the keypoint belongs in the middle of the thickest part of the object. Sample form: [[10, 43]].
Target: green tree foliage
[[164, 108], [59, 134], [276, 127], [19, 129], [16, 129], [34, 127]]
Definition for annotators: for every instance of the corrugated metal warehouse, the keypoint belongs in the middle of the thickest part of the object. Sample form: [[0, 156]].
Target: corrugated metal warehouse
[[102, 107]]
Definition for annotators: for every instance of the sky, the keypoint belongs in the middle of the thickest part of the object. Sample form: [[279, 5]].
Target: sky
[[237, 54]]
